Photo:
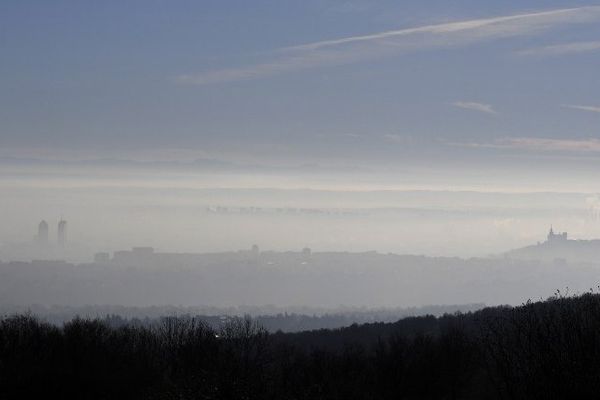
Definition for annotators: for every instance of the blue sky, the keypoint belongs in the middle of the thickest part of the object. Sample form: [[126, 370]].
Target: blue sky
[[124, 115], [345, 82]]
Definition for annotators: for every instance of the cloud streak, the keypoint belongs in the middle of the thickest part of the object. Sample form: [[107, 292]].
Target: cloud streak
[[590, 145], [367, 47], [594, 109], [561, 49], [480, 107]]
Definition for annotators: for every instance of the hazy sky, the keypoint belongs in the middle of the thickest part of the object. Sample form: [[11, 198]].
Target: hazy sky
[[323, 94], [355, 81]]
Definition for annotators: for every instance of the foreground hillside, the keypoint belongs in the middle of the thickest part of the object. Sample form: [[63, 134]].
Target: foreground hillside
[[542, 350]]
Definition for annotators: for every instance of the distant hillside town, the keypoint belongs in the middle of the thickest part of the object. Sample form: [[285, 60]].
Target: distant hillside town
[[143, 277], [560, 249]]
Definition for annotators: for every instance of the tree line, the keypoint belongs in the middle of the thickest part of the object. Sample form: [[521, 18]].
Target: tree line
[[539, 350]]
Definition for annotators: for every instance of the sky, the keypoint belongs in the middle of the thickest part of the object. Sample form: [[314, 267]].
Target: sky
[[354, 95]]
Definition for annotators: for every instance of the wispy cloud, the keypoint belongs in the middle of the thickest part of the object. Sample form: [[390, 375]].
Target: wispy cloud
[[398, 139], [357, 48], [595, 109], [470, 105], [589, 145], [561, 49]]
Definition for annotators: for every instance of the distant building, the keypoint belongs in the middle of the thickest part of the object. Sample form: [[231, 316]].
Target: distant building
[[62, 233], [556, 237], [135, 256], [255, 250], [102, 258], [49, 263], [142, 251], [42, 236], [559, 250]]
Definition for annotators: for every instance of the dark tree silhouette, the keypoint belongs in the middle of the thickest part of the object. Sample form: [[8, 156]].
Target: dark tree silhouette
[[542, 350]]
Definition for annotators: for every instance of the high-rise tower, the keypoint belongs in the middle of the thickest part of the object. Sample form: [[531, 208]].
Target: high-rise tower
[[42, 236], [62, 233]]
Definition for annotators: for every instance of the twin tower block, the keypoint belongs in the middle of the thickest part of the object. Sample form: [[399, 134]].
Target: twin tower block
[[61, 235]]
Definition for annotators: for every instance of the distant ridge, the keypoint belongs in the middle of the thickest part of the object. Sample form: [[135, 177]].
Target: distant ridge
[[560, 249]]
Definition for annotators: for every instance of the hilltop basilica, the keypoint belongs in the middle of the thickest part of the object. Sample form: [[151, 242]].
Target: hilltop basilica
[[556, 237]]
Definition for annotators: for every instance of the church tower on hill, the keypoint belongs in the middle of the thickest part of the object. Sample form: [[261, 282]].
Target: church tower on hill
[[556, 237]]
